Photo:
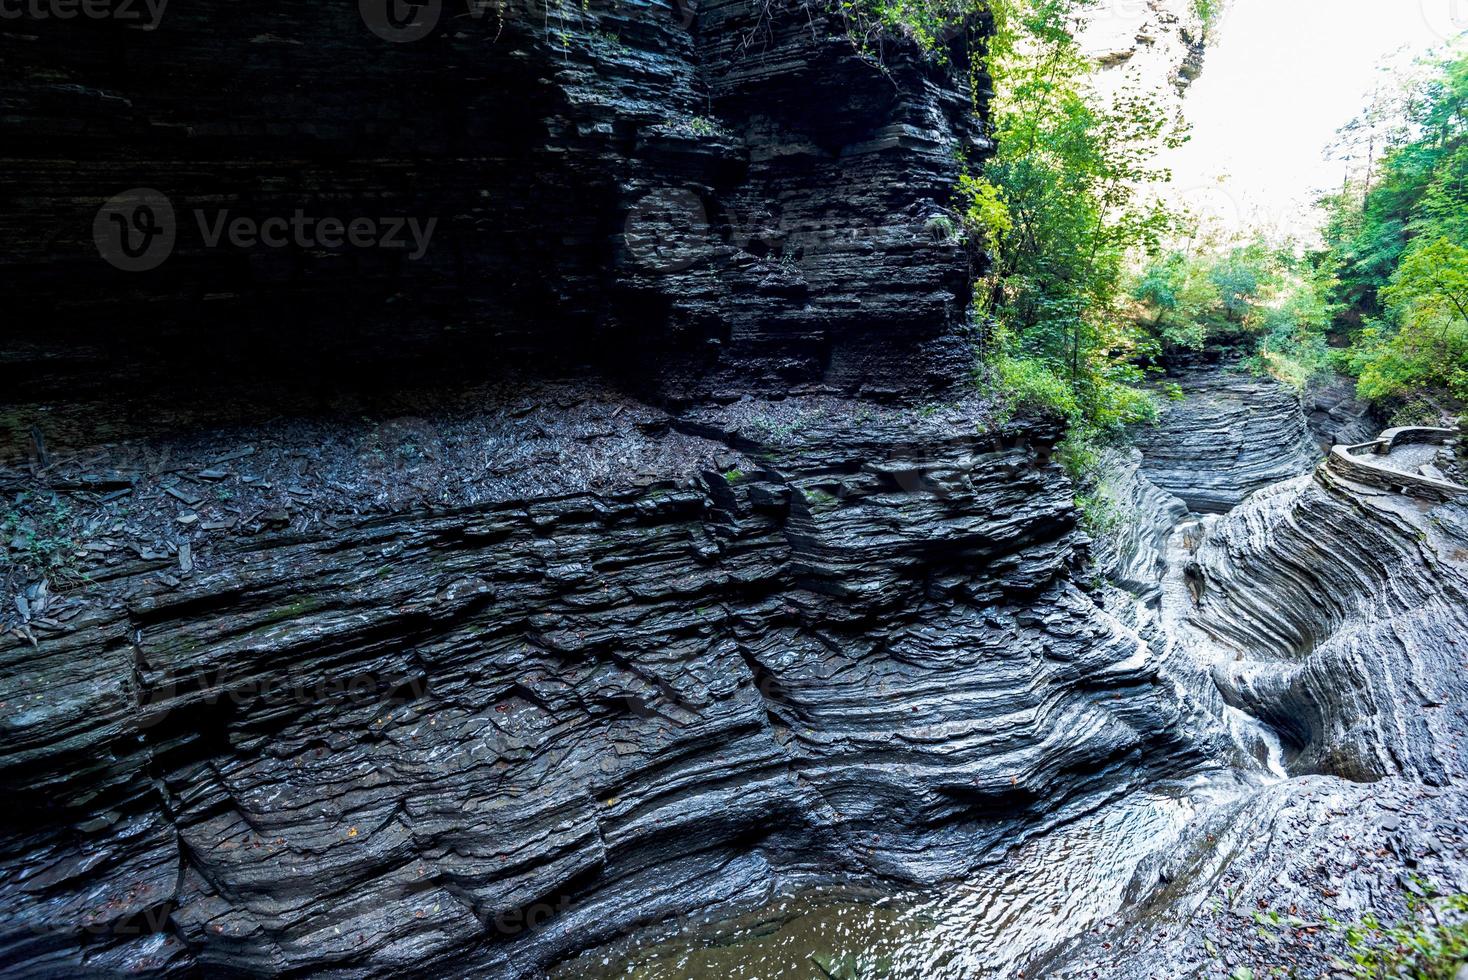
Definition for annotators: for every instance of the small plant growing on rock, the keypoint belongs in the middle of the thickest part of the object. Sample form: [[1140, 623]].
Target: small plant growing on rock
[[820, 500], [39, 533], [942, 228], [605, 42], [705, 127], [1100, 515], [776, 431], [1430, 944]]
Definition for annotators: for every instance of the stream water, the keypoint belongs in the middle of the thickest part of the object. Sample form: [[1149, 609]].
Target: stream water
[[1032, 902]]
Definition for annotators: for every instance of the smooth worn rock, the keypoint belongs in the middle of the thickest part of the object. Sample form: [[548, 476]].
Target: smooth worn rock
[[479, 741]]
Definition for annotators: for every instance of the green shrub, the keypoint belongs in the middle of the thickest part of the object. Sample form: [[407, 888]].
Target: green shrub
[[1430, 944], [1028, 383], [703, 126]]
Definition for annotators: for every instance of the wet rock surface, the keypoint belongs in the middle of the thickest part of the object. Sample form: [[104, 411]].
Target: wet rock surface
[[827, 639], [1233, 434], [477, 683], [575, 668], [520, 683], [1310, 640], [1334, 613]]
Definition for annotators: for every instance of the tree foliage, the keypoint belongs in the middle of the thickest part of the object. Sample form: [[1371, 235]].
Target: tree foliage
[[1061, 211], [1386, 299], [1395, 244]]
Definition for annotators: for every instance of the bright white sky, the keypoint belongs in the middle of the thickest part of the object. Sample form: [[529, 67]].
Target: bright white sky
[[1280, 77]]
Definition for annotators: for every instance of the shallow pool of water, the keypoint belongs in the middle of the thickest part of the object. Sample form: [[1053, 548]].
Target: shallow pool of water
[[1044, 894]]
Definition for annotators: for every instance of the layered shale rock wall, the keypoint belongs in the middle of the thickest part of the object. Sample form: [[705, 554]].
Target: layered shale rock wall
[[1231, 435], [697, 197], [791, 612], [472, 742]]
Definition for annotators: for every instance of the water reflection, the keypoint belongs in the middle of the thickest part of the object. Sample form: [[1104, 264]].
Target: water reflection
[[1047, 892]]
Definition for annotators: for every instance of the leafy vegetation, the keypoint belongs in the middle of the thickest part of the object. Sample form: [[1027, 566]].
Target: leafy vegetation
[[1430, 944], [1262, 300], [1395, 240], [930, 22], [1061, 208], [39, 534], [1385, 300], [704, 126]]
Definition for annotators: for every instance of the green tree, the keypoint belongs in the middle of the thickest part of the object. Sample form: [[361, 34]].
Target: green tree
[[1179, 296], [1243, 275], [1067, 172], [1427, 347], [1395, 245]]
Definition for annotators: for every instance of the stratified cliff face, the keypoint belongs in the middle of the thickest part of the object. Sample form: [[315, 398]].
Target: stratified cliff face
[[695, 198], [469, 743], [1231, 435], [746, 598]]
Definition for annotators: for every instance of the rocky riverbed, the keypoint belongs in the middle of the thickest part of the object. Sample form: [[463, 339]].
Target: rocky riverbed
[[568, 717], [636, 584]]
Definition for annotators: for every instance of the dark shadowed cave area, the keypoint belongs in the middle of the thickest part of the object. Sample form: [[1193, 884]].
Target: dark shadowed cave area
[[693, 203]]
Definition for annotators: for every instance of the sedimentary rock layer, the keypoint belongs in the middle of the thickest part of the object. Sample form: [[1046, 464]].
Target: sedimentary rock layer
[[1231, 435], [391, 749], [1338, 611], [727, 197]]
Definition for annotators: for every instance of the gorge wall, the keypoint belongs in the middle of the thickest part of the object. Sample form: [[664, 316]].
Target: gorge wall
[[730, 197], [387, 748], [466, 691], [634, 552]]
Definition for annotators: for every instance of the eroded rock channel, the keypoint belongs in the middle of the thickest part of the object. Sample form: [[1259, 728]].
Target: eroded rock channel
[[1308, 641], [725, 631], [826, 683]]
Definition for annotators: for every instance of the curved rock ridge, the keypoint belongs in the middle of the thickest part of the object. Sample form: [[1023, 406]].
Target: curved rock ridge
[[1342, 610], [477, 741], [1142, 517], [1348, 609], [1231, 434]]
